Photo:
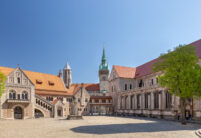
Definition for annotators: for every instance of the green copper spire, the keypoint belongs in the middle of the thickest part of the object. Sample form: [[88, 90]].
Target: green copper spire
[[103, 65]]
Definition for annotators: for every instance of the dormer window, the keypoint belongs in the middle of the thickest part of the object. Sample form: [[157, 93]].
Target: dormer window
[[18, 80], [38, 81], [51, 83]]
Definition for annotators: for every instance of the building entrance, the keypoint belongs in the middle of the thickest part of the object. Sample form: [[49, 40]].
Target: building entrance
[[18, 113]]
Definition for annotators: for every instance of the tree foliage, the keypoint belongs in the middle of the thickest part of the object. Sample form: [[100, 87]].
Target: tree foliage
[[181, 73], [2, 83]]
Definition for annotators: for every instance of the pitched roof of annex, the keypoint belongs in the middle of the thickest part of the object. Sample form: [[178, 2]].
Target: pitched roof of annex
[[43, 82], [125, 72], [146, 69]]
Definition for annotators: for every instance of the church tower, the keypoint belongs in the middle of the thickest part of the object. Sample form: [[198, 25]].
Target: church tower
[[103, 74], [67, 77]]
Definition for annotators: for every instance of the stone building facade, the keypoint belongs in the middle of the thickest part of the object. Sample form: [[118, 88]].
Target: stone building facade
[[31, 94], [135, 91]]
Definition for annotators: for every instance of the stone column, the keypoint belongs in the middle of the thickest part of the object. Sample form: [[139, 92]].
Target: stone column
[[149, 101], [119, 102], [152, 100], [159, 101], [163, 102], [129, 102], [124, 101], [142, 101], [135, 101]]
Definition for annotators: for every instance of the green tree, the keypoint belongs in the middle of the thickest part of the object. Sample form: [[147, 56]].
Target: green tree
[[2, 83], [181, 74]]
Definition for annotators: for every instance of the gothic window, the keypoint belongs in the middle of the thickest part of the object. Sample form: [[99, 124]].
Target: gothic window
[[152, 82], [25, 95], [18, 80], [11, 79], [25, 81], [104, 78], [12, 94], [168, 100], [156, 100], [146, 100], [125, 88], [141, 84], [131, 86]]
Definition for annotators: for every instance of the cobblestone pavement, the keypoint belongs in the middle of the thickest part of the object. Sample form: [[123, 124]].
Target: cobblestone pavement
[[96, 126]]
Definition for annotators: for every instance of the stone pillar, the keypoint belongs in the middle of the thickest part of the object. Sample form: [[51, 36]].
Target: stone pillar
[[129, 102], [118, 102], [163, 102], [152, 100], [135, 101], [124, 101], [149, 101], [159, 101], [142, 101]]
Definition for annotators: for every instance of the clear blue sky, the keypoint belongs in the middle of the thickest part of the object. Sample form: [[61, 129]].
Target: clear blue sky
[[41, 35]]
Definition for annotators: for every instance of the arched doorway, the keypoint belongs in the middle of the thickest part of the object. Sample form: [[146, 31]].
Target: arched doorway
[[38, 113], [59, 111], [18, 114]]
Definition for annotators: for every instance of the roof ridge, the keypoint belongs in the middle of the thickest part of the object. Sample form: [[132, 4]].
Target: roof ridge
[[123, 66], [30, 71]]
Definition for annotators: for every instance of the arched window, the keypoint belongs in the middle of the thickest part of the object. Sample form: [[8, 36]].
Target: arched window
[[24, 95], [125, 87], [12, 94], [18, 80]]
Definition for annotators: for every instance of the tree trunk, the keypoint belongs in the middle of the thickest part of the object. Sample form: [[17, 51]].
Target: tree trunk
[[182, 106]]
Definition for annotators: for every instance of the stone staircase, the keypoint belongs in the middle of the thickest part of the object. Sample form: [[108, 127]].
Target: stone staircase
[[44, 106], [198, 133]]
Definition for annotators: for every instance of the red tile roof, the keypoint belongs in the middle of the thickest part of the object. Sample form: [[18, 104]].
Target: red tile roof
[[125, 72], [146, 69], [197, 44], [88, 86], [55, 101], [45, 79]]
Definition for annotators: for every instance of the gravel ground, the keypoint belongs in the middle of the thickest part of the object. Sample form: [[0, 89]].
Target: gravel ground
[[96, 126]]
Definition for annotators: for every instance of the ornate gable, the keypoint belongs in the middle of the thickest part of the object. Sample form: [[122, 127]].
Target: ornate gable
[[18, 77], [113, 74]]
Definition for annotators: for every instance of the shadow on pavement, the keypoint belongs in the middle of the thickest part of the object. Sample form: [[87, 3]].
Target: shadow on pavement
[[133, 128]]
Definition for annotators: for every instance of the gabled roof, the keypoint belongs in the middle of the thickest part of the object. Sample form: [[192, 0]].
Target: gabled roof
[[146, 68], [55, 101], [125, 72], [88, 86], [197, 44], [46, 79]]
